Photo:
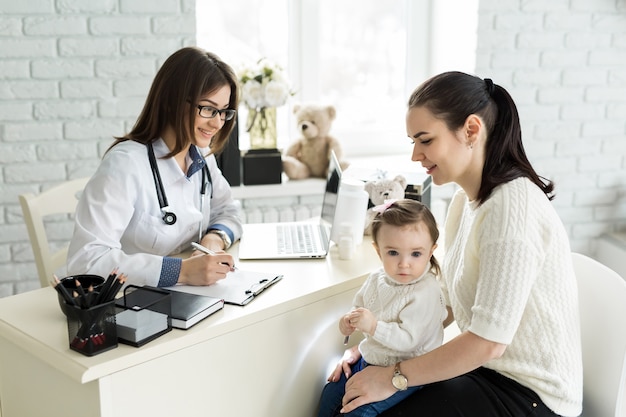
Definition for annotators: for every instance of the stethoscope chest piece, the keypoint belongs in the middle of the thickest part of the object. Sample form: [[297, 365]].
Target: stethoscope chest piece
[[169, 218]]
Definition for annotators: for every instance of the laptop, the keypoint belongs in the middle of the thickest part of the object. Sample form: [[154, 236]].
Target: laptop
[[295, 240]]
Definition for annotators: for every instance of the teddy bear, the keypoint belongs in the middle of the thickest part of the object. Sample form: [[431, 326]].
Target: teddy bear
[[309, 155], [379, 191]]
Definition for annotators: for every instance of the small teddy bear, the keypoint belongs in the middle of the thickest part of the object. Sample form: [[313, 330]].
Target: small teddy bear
[[309, 156], [379, 191]]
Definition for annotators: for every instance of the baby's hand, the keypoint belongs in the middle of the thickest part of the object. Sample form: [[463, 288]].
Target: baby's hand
[[363, 319], [345, 327]]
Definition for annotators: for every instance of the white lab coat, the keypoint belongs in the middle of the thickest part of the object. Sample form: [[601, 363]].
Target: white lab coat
[[119, 221]]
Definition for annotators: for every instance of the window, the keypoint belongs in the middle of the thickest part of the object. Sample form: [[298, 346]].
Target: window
[[362, 56]]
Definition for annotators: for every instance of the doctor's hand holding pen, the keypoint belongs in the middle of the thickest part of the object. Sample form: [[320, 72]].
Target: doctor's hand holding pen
[[205, 266]]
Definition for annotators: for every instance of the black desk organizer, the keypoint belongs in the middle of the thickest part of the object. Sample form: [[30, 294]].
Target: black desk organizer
[[143, 307]]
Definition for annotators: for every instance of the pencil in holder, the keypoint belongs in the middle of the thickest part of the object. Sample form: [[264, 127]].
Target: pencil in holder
[[92, 330]]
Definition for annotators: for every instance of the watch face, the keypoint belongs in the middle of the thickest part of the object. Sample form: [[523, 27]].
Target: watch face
[[400, 382]]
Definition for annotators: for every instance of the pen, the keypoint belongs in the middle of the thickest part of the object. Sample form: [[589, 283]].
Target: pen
[[208, 251]]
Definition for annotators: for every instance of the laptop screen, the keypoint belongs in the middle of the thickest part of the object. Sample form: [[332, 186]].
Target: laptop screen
[[331, 192]]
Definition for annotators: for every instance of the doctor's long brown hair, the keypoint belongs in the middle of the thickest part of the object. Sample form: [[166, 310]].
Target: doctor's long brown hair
[[184, 77]]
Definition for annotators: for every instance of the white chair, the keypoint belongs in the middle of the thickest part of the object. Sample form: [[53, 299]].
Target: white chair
[[61, 199], [602, 300]]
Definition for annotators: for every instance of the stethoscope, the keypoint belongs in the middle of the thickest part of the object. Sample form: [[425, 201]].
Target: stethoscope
[[169, 217]]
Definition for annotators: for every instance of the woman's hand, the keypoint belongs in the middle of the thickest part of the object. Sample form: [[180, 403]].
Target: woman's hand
[[350, 357], [202, 269], [367, 386]]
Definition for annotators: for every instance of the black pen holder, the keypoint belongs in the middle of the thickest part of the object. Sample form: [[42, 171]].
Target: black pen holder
[[91, 330]]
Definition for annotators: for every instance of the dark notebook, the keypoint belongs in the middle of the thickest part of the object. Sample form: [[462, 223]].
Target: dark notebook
[[189, 309]]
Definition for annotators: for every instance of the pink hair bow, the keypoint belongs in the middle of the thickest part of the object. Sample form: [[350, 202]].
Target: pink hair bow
[[381, 208]]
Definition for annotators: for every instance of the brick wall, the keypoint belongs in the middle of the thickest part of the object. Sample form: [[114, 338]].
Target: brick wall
[[73, 73], [564, 62]]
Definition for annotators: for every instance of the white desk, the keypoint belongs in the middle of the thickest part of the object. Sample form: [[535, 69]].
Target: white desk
[[269, 358]]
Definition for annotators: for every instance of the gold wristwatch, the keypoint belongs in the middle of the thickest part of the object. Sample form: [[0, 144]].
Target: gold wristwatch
[[398, 380], [224, 236]]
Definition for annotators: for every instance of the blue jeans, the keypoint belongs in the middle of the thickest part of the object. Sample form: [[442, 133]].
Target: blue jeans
[[332, 394]]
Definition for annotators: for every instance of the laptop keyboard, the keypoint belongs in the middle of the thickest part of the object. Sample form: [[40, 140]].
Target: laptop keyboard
[[296, 238]]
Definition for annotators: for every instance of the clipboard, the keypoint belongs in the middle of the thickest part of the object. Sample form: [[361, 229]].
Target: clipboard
[[238, 288]]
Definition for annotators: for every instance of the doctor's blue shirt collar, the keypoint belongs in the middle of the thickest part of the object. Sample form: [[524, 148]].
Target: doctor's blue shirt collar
[[197, 161]]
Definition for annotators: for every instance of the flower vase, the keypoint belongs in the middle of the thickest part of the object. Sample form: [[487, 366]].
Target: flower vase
[[262, 128]]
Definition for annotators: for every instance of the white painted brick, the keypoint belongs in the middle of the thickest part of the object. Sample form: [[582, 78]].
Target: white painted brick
[[563, 59], [599, 163], [582, 112], [14, 69], [498, 6], [21, 48], [590, 230], [553, 166], [92, 128], [609, 58], [26, 7], [122, 68], [608, 22], [59, 69], [86, 88], [180, 24], [575, 181], [606, 94], [11, 153], [56, 26], [152, 45], [64, 109], [119, 25], [12, 111], [38, 131], [539, 112], [610, 213], [39, 173], [154, 6], [10, 26], [573, 22], [540, 40], [575, 214], [137, 87], [516, 22], [66, 151], [536, 149], [515, 59], [593, 6], [578, 147], [554, 130], [497, 41], [537, 78], [584, 77], [82, 6], [615, 178], [619, 40], [603, 128], [560, 95], [617, 76], [123, 107], [88, 47], [25, 89], [587, 40]]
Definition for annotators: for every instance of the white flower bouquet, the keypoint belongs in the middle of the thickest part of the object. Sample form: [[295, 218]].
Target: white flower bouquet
[[264, 85]]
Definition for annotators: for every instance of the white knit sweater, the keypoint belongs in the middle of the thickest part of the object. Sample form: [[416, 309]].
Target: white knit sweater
[[509, 278], [409, 317]]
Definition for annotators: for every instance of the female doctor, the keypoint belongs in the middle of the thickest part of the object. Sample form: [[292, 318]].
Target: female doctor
[[158, 188]]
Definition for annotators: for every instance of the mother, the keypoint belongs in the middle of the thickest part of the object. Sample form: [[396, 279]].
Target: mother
[[507, 271]]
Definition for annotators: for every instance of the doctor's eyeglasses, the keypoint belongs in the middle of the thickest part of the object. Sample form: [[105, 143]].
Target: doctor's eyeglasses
[[209, 112]]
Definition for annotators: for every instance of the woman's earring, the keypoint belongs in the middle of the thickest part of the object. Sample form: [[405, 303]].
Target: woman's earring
[[471, 145]]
